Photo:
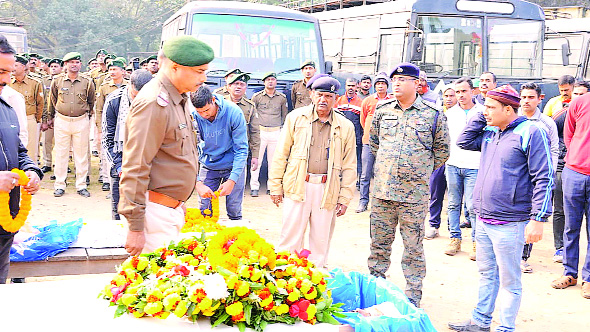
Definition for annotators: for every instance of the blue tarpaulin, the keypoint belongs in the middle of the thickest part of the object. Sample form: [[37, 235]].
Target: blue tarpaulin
[[360, 291], [51, 240]]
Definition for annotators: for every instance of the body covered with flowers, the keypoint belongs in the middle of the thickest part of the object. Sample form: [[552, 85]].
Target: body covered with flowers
[[234, 277]]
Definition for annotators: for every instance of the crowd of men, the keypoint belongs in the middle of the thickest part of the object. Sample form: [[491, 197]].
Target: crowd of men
[[505, 165]]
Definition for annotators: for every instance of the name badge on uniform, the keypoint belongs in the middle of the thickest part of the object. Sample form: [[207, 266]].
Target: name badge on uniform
[[182, 126], [65, 89]]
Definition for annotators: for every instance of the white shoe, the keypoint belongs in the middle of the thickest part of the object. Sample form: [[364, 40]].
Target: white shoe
[[431, 233]]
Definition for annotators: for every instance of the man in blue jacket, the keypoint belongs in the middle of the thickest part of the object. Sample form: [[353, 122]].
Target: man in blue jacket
[[13, 154], [223, 150], [511, 198]]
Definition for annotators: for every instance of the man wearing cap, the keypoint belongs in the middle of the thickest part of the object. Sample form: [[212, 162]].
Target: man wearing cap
[[409, 138], [14, 156], [152, 64], [238, 84], [116, 70], [271, 106], [71, 101], [349, 104], [314, 171], [55, 68], [365, 87], [487, 82], [32, 90], [92, 64], [223, 90], [100, 57], [300, 93], [159, 167], [143, 64], [367, 110], [33, 63], [512, 200]]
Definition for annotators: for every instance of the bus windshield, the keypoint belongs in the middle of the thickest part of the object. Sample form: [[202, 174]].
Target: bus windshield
[[257, 45]]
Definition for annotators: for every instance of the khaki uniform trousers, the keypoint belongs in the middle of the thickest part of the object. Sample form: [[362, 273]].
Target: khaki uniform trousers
[[162, 225], [296, 216], [268, 143], [74, 132], [48, 147], [33, 141]]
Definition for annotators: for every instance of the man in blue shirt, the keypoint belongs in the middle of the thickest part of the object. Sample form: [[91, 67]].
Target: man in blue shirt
[[223, 150]]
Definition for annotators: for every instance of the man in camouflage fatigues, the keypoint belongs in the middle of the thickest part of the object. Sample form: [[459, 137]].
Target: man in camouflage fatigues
[[409, 138]]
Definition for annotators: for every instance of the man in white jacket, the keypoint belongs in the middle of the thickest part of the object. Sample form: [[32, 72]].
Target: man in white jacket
[[462, 166]]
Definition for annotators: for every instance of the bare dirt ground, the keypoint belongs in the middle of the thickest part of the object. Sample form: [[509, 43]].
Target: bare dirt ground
[[450, 287]]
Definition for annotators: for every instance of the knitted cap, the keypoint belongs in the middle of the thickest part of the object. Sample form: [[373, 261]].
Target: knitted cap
[[506, 95]]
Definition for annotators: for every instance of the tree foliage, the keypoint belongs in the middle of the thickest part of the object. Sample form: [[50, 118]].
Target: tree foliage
[[55, 27]]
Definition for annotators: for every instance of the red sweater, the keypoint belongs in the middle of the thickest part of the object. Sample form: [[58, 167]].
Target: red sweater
[[576, 134]]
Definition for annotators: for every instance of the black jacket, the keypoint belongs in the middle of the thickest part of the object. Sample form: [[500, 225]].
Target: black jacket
[[13, 154]]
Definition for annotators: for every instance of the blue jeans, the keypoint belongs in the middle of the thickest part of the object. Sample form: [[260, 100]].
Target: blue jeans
[[499, 249], [576, 204], [368, 159], [438, 186], [233, 202], [460, 183]]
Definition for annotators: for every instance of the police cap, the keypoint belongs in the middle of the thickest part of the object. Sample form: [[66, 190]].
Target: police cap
[[326, 84], [406, 69]]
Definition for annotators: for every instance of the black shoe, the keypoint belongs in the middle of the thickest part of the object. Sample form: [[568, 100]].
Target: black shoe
[[52, 177], [106, 186], [45, 169], [100, 179], [362, 208], [254, 193], [95, 153], [59, 192], [83, 192], [268, 191], [466, 224], [87, 180], [18, 280], [69, 170], [468, 326]]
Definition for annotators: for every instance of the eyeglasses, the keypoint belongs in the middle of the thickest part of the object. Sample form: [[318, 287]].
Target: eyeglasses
[[401, 79]]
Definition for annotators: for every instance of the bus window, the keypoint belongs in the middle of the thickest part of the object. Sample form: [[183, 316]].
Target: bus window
[[256, 44], [515, 47], [451, 45], [552, 61], [390, 51], [360, 40], [332, 38]]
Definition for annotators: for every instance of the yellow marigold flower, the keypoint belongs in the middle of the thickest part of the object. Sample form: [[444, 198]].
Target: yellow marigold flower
[[235, 308], [294, 295], [282, 309], [205, 303], [243, 289]]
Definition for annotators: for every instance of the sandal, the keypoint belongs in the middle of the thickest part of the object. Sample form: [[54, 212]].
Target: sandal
[[586, 290], [564, 282], [525, 267]]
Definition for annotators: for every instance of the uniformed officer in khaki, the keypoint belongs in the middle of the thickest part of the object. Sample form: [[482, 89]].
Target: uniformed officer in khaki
[[271, 106], [159, 169], [237, 86], [300, 93], [223, 90], [314, 170], [101, 57], [32, 91], [152, 64], [55, 67], [71, 102]]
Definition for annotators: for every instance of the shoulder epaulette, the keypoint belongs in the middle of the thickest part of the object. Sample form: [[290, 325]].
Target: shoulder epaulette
[[431, 105], [382, 103]]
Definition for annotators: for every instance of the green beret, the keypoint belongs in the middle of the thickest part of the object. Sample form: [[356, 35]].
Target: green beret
[[269, 74], [118, 62], [101, 51], [72, 56], [111, 56], [307, 63], [187, 51], [244, 77], [89, 61], [21, 59], [233, 71], [26, 56], [151, 57], [34, 55], [46, 60], [143, 62], [55, 60]]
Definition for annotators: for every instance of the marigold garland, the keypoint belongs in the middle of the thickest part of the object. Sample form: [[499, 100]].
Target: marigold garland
[[206, 220], [231, 244], [6, 221]]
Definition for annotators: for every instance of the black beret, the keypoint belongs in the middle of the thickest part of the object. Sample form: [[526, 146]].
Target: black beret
[[326, 84], [406, 69]]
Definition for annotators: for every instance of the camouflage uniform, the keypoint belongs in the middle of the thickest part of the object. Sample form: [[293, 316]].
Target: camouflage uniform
[[406, 153]]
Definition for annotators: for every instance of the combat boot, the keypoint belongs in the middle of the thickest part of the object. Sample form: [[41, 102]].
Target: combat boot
[[454, 247]]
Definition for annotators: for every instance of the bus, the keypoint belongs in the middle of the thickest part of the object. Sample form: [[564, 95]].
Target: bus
[[16, 36], [253, 37], [447, 39], [567, 48]]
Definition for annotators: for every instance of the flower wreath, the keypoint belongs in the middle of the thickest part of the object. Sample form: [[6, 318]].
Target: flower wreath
[[10, 224]]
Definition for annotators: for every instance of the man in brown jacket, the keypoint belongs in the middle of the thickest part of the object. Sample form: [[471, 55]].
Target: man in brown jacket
[[314, 170]]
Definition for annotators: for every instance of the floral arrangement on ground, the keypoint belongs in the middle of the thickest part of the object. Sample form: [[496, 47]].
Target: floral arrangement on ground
[[233, 277]]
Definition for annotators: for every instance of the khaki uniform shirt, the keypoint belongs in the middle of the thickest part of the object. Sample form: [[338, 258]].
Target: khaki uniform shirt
[[71, 98], [271, 109], [300, 95], [32, 90], [160, 152], [406, 151], [222, 91], [46, 92], [102, 92], [320, 144], [252, 120]]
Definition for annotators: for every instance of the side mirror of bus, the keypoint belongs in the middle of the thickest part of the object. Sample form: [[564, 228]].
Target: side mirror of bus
[[565, 53], [416, 48], [329, 67]]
